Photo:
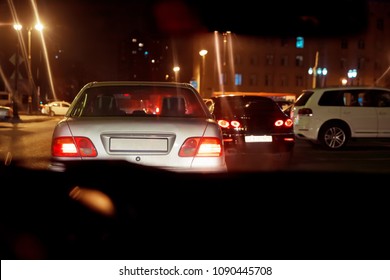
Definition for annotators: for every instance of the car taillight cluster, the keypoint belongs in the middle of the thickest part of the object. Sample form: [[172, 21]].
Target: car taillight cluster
[[73, 147], [236, 124], [201, 147], [229, 124], [83, 147], [285, 123]]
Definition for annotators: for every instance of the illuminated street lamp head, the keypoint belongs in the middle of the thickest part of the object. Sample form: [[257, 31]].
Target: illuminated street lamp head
[[203, 52], [18, 26], [38, 27]]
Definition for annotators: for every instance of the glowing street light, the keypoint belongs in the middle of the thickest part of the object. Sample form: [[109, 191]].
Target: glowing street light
[[176, 70], [318, 72], [352, 74]]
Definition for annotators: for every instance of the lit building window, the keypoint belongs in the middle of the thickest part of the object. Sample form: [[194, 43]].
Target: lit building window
[[300, 43], [238, 79]]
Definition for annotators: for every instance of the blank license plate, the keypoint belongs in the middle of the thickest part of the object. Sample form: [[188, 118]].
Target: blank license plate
[[138, 145], [258, 138]]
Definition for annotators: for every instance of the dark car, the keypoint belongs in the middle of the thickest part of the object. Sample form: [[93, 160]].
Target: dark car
[[254, 128]]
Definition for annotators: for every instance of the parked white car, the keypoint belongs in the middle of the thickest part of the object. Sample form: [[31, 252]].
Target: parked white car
[[333, 116], [55, 108], [6, 113]]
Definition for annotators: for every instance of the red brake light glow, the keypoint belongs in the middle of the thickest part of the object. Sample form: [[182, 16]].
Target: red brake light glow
[[235, 124], [279, 123], [223, 123], [286, 123], [201, 147], [227, 124], [73, 147]]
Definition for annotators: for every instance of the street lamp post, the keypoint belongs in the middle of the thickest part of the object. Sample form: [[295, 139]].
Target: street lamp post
[[34, 93], [202, 53], [322, 72], [15, 98], [314, 71], [318, 72], [38, 27]]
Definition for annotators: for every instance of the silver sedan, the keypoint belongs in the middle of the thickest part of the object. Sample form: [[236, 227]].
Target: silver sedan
[[156, 124]]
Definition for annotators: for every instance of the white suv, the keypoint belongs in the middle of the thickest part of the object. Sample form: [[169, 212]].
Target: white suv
[[333, 116]]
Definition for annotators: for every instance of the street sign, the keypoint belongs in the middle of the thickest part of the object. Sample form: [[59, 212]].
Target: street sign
[[20, 77], [15, 58]]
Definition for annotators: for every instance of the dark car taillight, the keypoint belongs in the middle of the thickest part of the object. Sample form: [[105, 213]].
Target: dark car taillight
[[229, 124], [284, 123], [201, 147], [73, 147]]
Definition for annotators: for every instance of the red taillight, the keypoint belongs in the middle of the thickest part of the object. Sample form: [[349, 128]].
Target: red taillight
[[201, 147], [223, 123], [235, 124], [288, 123], [73, 147], [285, 123], [279, 123], [227, 124]]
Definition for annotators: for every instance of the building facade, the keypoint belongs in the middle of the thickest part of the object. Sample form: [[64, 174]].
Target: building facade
[[237, 63]]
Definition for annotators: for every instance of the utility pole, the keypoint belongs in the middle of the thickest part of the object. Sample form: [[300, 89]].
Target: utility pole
[[15, 99], [315, 70]]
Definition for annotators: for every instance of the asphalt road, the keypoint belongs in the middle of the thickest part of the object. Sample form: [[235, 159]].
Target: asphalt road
[[29, 140]]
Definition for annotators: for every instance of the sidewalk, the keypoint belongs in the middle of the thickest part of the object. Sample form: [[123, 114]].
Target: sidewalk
[[23, 118]]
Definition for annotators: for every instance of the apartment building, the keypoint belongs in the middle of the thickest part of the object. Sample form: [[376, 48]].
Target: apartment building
[[262, 65]]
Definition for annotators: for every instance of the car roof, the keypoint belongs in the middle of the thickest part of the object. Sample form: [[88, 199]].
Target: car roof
[[139, 83], [345, 88], [243, 96]]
